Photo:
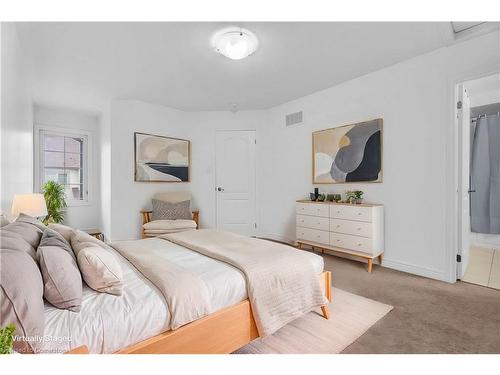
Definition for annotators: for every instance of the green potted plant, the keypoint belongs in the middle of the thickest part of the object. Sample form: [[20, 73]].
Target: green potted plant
[[55, 199], [354, 196], [7, 339]]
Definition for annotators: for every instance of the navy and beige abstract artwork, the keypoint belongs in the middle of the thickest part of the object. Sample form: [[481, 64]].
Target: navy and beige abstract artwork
[[351, 153], [161, 159]]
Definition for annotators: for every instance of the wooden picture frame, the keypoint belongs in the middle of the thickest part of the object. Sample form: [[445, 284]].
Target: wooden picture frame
[[362, 138], [160, 158]]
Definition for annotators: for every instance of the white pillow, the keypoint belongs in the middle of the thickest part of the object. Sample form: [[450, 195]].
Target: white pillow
[[81, 240], [100, 270]]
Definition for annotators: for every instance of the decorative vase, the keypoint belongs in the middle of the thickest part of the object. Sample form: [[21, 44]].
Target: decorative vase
[[330, 197], [312, 196], [321, 197], [316, 192], [358, 200], [337, 197]]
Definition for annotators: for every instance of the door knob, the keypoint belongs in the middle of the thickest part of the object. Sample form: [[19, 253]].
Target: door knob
[[219, 188]]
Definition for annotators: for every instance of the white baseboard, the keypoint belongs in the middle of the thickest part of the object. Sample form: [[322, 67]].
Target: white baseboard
[[416, 270]]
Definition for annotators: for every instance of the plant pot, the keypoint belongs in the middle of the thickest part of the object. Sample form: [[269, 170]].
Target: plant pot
[[358, 200]]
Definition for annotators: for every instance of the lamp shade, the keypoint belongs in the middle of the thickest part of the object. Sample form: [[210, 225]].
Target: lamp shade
[[29, 204]]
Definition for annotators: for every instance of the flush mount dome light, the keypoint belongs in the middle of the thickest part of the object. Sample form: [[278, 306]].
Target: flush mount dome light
[[235, 43]]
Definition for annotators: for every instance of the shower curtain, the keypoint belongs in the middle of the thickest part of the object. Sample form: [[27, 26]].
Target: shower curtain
[[485, 176]]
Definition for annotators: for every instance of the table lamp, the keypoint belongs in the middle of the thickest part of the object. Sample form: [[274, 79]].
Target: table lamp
[[29, 204]]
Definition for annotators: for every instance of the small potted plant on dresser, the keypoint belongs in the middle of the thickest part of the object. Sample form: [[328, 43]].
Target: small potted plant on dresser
[[354, 196]]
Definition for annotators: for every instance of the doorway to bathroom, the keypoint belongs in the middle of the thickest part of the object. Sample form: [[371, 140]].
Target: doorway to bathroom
[[478, 121]]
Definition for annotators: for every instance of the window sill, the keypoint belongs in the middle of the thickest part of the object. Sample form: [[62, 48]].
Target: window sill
[[78, 203]]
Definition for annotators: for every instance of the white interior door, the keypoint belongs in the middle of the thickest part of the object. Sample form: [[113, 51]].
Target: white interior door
[[235, 181], [464, 123]]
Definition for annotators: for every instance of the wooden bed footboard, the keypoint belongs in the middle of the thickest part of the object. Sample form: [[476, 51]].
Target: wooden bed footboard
[[222, 332]]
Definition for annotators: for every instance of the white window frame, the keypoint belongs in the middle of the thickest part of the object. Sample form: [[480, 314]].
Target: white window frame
[[87, 164]]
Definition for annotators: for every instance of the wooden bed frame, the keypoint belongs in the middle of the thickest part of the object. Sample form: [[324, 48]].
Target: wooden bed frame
[[222, 332], [146, 218]]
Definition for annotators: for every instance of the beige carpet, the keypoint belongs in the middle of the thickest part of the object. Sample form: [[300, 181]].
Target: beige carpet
[[350, 317]]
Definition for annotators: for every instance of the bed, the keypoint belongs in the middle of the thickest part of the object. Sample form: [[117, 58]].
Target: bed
[[139, 321]]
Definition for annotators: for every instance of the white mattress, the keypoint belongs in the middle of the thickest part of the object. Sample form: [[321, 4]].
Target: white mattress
[[107, 323]]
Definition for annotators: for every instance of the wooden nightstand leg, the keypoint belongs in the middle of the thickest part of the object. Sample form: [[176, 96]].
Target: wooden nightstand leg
[[325, 312], [370, 264]]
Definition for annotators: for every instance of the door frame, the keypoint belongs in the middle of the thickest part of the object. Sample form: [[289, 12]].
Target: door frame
[[257, 221], [455, 151]]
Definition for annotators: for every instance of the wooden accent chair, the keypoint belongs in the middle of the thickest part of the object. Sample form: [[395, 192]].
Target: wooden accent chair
[[169, 225]]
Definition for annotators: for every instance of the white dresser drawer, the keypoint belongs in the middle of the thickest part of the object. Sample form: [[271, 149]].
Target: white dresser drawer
[[314, 222], [351, 212], [351, 242], [357, 228], [308, 234], [313, 209]]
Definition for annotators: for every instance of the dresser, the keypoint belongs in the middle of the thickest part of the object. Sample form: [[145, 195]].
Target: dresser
[[354, 229]]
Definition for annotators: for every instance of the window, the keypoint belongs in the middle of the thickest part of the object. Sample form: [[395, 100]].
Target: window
[[63, 157]]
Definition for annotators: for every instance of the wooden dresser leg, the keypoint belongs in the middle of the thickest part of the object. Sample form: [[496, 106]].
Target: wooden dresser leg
[[380, 258], [370, 264], [299, 245], [326, 313]]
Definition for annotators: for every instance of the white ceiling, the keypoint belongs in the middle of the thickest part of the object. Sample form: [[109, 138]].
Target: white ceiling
[[81, 64]]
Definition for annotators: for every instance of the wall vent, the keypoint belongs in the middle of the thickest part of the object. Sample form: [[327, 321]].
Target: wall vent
[[293, 118]]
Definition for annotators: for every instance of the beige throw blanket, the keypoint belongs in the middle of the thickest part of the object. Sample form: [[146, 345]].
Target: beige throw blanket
[[281, 282], [186, 294]]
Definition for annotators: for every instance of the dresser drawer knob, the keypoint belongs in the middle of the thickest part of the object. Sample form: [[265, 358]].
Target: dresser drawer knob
[[359, 213], [359, 244], [359, 228]]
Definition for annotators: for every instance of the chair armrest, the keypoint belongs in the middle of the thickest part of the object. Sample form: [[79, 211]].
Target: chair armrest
[[146, 216], [196, 218]]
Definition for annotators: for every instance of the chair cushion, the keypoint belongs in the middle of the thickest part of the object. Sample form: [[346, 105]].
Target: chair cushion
[[21, 299], [100, 270], [61, 277], [163, 225], [163, 210]]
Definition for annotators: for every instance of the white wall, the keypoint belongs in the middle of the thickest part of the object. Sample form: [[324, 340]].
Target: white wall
[[17, 120], [129, 197], [415, 98], [85, 216]]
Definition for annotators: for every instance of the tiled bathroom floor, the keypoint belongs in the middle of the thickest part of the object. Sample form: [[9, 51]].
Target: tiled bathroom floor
[[484, 267]]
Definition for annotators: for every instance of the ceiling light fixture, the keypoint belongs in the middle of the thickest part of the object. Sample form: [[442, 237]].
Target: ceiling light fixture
[[235, 43]]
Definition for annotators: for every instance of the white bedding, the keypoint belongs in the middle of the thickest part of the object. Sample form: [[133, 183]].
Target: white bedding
[[107, 323]]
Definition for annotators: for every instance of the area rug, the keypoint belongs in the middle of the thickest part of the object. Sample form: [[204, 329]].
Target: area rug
[[350, 316]]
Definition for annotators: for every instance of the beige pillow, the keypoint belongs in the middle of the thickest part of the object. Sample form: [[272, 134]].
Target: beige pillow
[[61, 277], [63, 230], [100, 270], [81, 240]]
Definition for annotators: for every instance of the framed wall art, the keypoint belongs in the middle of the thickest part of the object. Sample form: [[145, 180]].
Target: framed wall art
[[161, 159], [350, 153]]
